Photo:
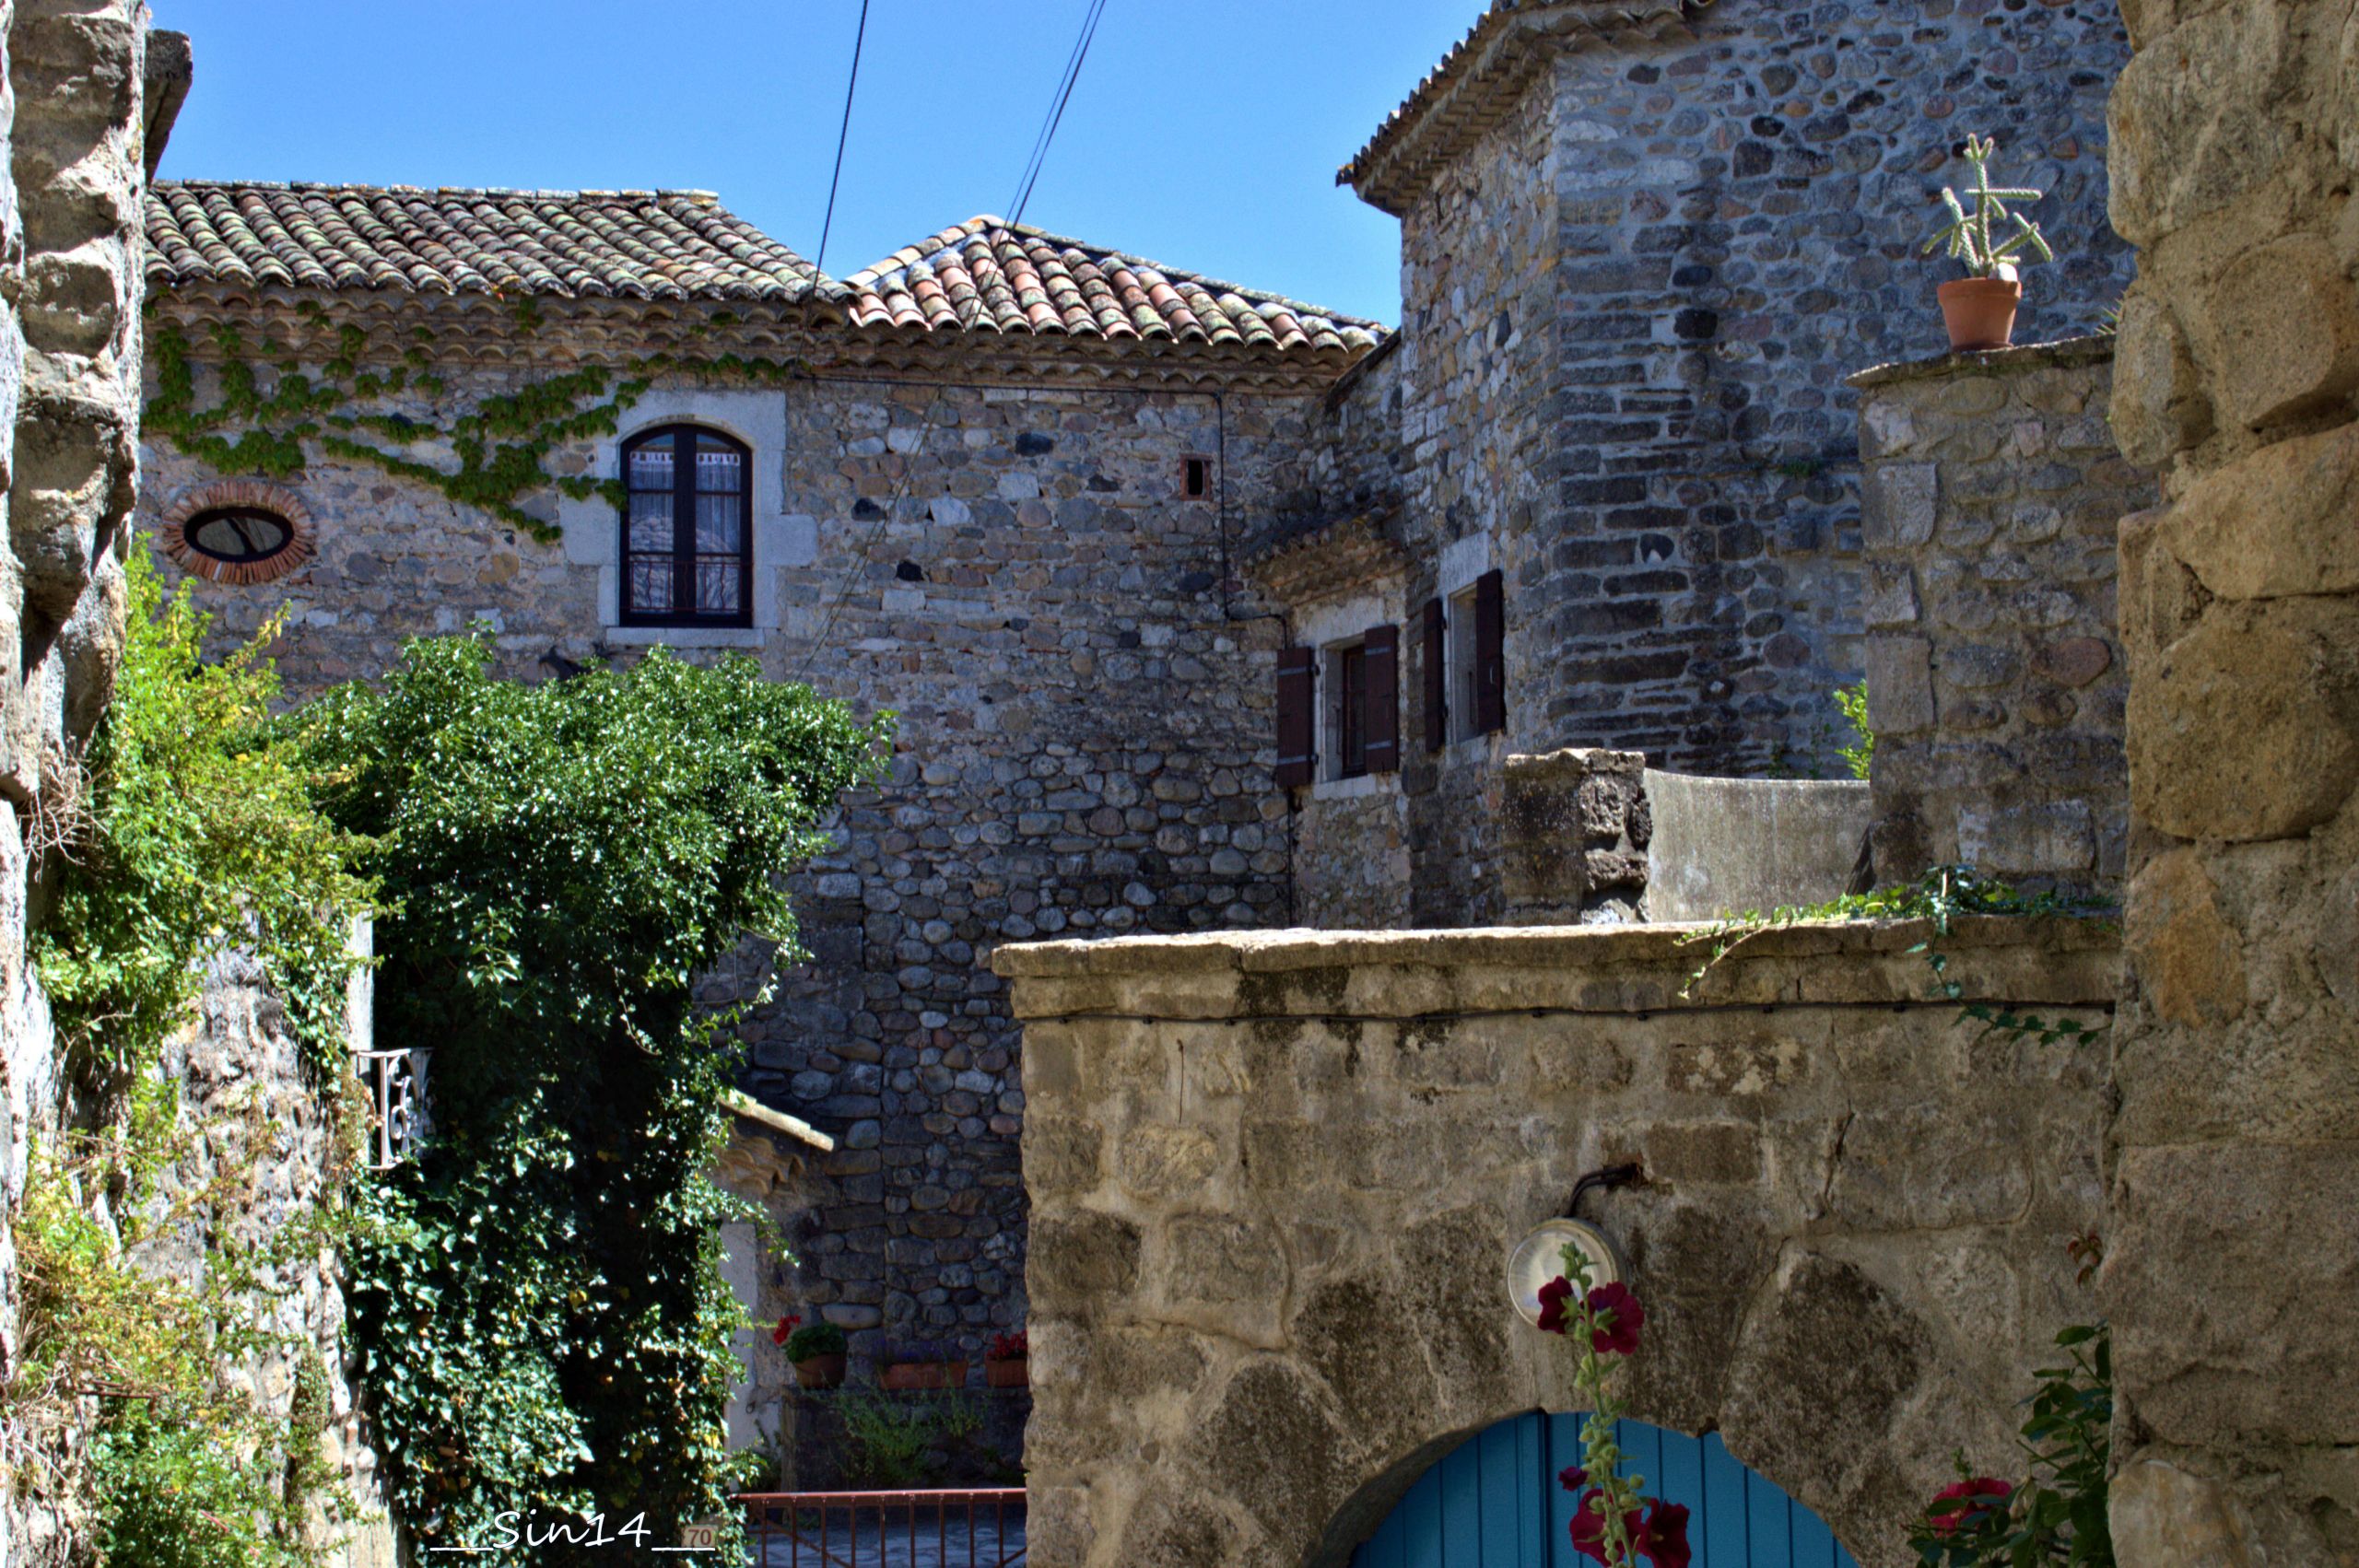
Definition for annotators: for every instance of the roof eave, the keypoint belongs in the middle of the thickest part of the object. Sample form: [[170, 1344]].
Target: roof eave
[[1478, 83]]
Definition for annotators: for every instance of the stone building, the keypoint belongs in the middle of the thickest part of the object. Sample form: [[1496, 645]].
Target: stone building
[[1201, 608]]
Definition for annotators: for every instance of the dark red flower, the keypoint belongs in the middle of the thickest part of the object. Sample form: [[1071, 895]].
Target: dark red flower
[[1589, 1527], [1572, 1477], [1976, 1498], [1553, 1297], [1663, 1539], [785, 1329], [1619, 1318]]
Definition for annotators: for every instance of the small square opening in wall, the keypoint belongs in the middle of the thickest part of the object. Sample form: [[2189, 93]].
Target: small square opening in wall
[[1198, 477]]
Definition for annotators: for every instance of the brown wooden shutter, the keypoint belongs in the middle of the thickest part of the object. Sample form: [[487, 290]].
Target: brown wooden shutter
[[1437, 677], [1382, 648], [1490, 653], [1297, 715]]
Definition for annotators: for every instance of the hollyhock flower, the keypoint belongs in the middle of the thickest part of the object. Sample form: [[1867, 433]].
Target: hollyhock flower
[[1589, 1527], [785, 1329], [1663, 1539], [1572, 1477], [1553, 1297], [1974, 1498], [1619, 1319]]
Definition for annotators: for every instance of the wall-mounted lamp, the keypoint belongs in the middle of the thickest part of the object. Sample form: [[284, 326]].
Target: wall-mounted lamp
[[1539, 1255]]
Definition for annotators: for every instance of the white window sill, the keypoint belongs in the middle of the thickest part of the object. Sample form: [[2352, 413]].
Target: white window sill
[[685, 637], [1355, 789]]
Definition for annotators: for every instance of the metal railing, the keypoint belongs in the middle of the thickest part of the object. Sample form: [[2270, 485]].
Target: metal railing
[[395, 1083], [974, 1528]]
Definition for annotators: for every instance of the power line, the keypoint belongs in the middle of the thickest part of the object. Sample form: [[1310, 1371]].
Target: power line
[[1056, 112], [843, 135]]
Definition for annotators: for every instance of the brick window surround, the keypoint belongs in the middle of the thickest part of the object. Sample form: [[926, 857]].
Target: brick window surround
[[242, 494]]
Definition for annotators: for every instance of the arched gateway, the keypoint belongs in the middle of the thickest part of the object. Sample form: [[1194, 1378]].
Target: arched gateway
[[1492, 1502]]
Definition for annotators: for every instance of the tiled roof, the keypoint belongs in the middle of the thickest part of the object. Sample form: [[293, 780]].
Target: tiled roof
[[990, 276], [1479, 80], [616, 244]]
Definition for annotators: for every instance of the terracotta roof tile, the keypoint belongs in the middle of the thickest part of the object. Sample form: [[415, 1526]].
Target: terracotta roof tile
[[614, 244], [987, 276]]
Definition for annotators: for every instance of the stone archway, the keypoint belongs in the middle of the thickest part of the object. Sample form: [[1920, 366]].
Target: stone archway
[[1274, 1179]]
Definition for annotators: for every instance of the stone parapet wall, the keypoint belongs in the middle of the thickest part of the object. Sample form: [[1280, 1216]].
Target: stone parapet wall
[[2235, 1152], [1993, 495], [1275, 1177]]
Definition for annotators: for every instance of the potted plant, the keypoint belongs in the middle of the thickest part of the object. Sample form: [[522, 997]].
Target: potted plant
[[817, 1352], [918, 1363], [1008, 1363], [1980, 311]]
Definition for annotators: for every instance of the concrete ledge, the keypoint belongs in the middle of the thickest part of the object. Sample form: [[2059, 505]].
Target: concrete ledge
[[2094, 349], [1602, 969]]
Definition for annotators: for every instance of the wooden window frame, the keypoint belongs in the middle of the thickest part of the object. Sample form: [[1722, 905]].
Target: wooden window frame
[[683, 529], [1351, 710]]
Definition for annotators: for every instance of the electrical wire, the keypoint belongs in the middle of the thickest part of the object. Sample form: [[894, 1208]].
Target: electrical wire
[[843, 135], [1031, 175]]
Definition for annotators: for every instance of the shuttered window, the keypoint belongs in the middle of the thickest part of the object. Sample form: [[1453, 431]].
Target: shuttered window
[[1381, 700], [1297, 715], [1490, 653], [1437, 675]]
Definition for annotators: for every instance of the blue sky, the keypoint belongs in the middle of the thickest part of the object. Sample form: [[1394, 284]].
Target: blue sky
[[1203, 134]]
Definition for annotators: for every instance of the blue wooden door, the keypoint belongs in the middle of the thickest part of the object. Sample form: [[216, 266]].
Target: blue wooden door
[[1492, 1502]]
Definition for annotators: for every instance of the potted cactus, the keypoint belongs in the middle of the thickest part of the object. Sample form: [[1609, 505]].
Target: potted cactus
[[817, 1351], [1008, 1363], [918, 1363], [1980, 311]]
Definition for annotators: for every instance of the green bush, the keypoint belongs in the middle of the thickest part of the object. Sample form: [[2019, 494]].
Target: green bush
[[538, 1299], [815, 1340]]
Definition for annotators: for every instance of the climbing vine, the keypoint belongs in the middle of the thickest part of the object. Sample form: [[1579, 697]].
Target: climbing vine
[[362, 405], [544, 1330], [186, 831]]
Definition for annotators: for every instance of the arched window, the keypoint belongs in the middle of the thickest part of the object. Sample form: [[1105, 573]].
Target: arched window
[[687, 539]]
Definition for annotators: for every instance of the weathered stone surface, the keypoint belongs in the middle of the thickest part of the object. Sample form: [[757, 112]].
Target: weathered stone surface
[[2275, 522], [1846, 1241], [2005, 752], [2287, 325], [2248, 726]]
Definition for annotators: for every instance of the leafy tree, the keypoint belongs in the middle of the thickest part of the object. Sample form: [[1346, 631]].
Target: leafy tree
[[539, 1304]]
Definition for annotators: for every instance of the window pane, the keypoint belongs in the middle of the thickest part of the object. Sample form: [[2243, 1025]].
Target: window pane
[[1352, 720], [718, 519], [720, 470], [651, 465], [718, 586], [651, 584], [651, 522]]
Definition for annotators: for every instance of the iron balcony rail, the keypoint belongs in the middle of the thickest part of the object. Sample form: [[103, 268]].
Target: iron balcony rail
[[974, 1528]]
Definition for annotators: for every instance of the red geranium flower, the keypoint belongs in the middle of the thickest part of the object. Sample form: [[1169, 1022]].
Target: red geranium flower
[[1572, 1477], [1662, 1539], [1589, 1527], [785, 1329], [1553, 1297], [1619, 1319], [1976, 1498]]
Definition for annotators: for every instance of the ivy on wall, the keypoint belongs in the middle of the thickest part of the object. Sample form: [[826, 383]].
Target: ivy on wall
[[360, 405], [538, 1302], [188, 829]]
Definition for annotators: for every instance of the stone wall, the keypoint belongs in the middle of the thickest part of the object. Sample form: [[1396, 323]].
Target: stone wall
[[2235, 1153], [80, 125], [1275, 1177], [1993, 492], [1085, 746], [1724, 845], [1738, 201]]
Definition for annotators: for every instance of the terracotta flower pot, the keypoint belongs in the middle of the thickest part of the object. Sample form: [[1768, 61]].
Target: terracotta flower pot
[[1979, 311], [1008, 1374], [820, 1371], [914, 1374]]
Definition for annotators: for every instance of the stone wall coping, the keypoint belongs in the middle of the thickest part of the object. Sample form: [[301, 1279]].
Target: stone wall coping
[[1609, 969], [2094, 349]]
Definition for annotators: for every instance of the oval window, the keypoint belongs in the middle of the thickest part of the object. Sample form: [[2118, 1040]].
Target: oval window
[[239, 536]]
